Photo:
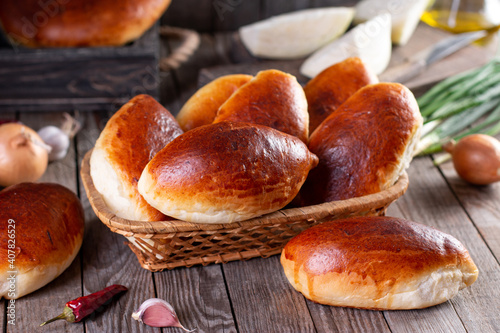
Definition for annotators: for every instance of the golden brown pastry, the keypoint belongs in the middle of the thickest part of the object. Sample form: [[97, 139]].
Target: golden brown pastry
[[41, 231], [365, 145], [333, 86], [131, 138], [272, 98], [202, 107], [383, 263], [226, 172], [77, 23]]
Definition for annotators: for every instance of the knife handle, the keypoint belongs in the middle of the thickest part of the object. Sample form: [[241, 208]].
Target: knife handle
[[404, 72]]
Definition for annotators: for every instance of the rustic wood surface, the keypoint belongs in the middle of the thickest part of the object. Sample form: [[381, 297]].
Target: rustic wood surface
[[254, 295], [89, 78]]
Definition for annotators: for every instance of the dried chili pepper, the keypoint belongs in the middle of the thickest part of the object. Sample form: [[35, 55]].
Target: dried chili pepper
[[81, 307]]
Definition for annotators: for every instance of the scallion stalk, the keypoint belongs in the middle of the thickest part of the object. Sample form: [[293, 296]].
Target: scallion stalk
[[461, 105]]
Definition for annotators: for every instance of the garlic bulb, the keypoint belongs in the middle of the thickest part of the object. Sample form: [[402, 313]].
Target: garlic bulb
[[59, 138], [156, 312]]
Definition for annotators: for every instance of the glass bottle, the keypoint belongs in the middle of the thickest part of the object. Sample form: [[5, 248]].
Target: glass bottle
[[463, 15]]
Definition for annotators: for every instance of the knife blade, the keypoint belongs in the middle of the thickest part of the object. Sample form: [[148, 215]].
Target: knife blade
[[417, 63]]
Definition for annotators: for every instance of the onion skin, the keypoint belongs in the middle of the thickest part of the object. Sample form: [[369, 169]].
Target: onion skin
[[476, 158], [21, 158]]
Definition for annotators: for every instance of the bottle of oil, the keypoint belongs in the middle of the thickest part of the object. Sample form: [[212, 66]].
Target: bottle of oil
[[463, 15]]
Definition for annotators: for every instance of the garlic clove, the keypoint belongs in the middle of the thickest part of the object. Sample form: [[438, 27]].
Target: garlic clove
[[156, 312], [57, 140]]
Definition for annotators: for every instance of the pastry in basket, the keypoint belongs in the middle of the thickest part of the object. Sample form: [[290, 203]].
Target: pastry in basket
[[77, 23], [202, 107], [226, 172], [133, 135], [365, 145], [333, 86], [272, 98], [382, 263], [41, 232]]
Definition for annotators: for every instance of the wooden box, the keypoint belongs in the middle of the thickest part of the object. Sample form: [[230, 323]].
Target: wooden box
[[78, 78]]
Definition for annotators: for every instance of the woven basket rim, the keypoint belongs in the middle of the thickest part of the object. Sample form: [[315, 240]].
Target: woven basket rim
[[158, 229]]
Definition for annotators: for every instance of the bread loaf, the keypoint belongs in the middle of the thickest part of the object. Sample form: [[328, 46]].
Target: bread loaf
[[202, 107], [226, 172], [333, 86], [77, 23], [382, 263], [272, 98], [130, 139], [41, 229], [365, 145]]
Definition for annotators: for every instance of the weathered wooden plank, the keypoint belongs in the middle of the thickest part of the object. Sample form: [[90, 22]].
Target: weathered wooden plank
[[232, 14], [186, 76], [59, 79], [230, 45], [467, 58], [262, 298], [277, 7], [48, 302], [51, 298], [191, 14], [430, 201], [338, 319], [440, 318], [107, 260], [199, 297], [168, 90], [464, 59], [481, 203], [328, 3], [290, 66]]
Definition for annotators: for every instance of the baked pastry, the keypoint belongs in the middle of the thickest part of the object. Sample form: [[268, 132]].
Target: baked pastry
[[202, 107], [382, 263], [365, 145], [41, 228], [272, 98], [78, 23], [226, 172], [130, 139], [333, 86]]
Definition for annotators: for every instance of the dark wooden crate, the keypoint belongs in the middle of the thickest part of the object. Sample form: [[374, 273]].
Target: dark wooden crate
[[82, 79]]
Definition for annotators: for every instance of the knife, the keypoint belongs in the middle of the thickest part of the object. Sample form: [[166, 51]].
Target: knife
[[417, 63]]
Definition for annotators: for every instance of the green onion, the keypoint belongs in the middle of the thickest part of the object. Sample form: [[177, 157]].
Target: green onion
[[453, 90], [461, 105]]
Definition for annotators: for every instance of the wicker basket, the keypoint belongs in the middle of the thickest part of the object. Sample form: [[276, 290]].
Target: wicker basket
[[170, 244]]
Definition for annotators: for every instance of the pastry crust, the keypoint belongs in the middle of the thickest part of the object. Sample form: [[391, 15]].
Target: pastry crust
[[202, 107], [272, 98], [382, 263], [226, 172], [130, 139], [78, 23], [47, 222], [365, 145], [333, 86]]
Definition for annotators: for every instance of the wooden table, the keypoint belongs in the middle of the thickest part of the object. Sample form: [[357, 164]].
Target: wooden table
[[254, 295]]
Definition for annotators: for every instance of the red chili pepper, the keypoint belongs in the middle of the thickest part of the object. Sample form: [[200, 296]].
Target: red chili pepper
[[81, 307]]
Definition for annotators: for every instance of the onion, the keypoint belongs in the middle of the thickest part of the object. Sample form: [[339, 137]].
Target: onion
[[476, 158], [23, 154]]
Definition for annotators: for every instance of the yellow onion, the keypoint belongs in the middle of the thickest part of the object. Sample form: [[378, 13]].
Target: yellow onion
[[23, 154], [476, 158]]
